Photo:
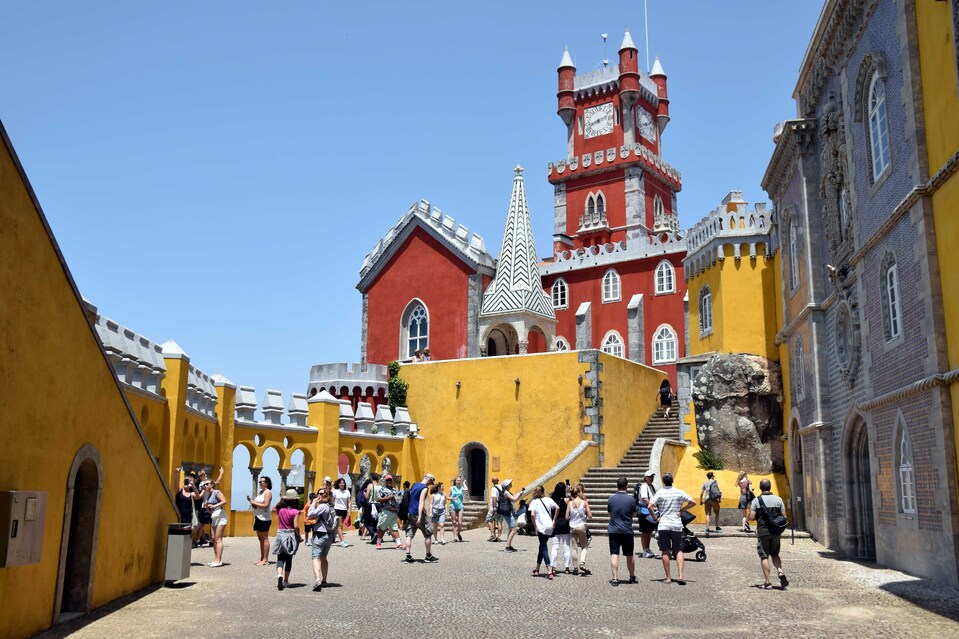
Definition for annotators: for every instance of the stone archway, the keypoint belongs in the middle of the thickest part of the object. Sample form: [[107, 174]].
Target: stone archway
[[857, 475], [78, 542], [500, 340], [474, 468]]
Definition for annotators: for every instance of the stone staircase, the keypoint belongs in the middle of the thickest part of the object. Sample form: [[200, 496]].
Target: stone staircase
[[600, 483]]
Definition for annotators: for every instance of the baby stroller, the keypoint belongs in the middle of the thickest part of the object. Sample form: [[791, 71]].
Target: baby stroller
[[691, 542]]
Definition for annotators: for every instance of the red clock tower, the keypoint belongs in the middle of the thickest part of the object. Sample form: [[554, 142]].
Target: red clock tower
[[615, 277]]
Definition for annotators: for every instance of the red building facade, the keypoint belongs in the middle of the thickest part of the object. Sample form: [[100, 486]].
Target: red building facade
[[615, 277]]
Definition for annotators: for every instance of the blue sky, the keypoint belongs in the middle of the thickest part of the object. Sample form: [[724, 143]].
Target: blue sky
[[215, 172]]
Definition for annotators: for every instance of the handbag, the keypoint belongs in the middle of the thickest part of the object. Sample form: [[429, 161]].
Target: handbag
[[195, 521]]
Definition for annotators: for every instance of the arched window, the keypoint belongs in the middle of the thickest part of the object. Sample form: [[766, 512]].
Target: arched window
[[891, 306], [665, 278], [907, 477], [843, 214], [414, 329], [611, 291], [799, 367], [600, 203], [657, 207], [560, 294], [793, 232], [562, 344], [664, 345], [878, 127], [590, 205], [613, 344], [705, 311]]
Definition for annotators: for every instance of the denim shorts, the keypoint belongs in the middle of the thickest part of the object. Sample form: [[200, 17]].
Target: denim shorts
[[321, 544], [509, 522]]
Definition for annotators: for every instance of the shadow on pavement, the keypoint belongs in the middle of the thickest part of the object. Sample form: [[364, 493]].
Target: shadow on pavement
[[928, 595], [69, 627]]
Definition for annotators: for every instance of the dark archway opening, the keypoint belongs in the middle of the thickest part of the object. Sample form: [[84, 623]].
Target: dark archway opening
[[860, 526], [82, 515], [476, 462]]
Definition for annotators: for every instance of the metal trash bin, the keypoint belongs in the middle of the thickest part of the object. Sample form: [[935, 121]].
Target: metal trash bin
[[179, 545]]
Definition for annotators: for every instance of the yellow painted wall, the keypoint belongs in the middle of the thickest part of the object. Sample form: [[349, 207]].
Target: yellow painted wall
[[745, 298], [59, 393], [527, 428], [630, 394], [937, 66]]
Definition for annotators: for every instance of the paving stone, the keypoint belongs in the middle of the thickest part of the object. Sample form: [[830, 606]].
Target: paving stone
[[476, 589]]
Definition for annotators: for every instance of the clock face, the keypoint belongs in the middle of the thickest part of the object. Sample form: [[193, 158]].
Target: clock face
[[598, 120], [644, 120]]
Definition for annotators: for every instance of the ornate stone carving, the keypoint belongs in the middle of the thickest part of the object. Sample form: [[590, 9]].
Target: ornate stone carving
[[832, 183], [738, 401], [848, 335]]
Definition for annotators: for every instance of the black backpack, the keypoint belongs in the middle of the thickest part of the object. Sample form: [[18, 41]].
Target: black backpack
[[504, 506], [404, 508], [775, 524]]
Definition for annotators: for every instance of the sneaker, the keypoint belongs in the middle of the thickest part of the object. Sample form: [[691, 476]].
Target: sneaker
[[279, 583], [613, 582], [633, 580], [718, 529], [783, 582], [344, 544], [215, 564], [409, 558], [379, 546], [432, 558], [460, 537], [649, 554], [509, 549], [318, 586]]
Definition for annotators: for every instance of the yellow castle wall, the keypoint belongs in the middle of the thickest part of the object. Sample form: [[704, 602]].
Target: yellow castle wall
[[59, 394]]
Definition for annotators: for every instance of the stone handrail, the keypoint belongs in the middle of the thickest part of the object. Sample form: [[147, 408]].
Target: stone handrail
[[560, 466]]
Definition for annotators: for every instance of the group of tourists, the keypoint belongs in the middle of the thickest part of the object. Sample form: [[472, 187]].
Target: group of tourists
[[385, 512]]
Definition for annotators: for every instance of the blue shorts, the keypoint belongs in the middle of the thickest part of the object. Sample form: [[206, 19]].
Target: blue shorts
[[509, 522], [321, 544]]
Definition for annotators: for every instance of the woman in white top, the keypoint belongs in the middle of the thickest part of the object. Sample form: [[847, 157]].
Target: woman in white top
[[341, 505], [578, 512], [262, 519], [543, 510], [438, 514]]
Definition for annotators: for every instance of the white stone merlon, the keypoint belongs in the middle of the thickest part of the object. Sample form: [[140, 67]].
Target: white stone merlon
[[729, 224], [346, 415], [272, 408], [297, 409], [646, 245], [219, 379], [136, 361], [364, 417], [172, 350], [383, 422], [246, 403], [606, 80], [401, 418], [200, 394], [424, 215]]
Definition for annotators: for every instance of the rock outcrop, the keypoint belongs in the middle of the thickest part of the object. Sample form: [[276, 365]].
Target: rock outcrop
[[738, 399]]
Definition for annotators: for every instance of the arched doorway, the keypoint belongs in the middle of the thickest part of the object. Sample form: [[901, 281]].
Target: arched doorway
[[78, 544], [474, 462], [497, 343], [797, 479], [860, 526]]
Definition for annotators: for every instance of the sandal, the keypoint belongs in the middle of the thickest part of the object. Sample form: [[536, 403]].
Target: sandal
[[536, 572], [767, 586], [550, 575]]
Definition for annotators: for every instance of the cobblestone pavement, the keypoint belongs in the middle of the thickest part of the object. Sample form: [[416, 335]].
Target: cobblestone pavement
[[476, 589]]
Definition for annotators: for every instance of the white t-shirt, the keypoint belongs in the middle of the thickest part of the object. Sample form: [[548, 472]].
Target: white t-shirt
[[669, 502], [542, 509], [340, 499]]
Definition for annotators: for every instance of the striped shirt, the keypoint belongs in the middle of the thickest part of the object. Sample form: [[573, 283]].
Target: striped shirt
[[668, 503]]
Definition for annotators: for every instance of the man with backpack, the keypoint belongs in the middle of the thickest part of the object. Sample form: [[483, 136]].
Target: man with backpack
[[768, 511], [418, 517], [710, 497]]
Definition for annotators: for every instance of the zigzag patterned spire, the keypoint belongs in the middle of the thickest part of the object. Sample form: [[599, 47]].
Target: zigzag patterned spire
[[517, 286]]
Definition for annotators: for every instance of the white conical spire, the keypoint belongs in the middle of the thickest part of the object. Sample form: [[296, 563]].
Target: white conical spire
[[517, 286], [657, 68], [566, 61], [627, 42]]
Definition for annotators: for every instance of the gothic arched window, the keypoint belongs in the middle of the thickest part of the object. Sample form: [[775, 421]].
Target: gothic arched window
[[705, 311], [798, 374], [793, 231], [889, 291], [665, 345], [414, 329], [562, 344], [600, 203], [665, 278], [878, 126], [613, 344], [560, 294], [611, 292], [907, 476]]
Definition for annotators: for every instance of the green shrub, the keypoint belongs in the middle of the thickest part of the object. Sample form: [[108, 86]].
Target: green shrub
[[396, 388], [708, 460]]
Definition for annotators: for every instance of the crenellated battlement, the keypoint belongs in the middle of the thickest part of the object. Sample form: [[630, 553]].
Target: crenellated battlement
[[471, 246], [729, 224], [296, 412], [626, 155], [137, 361]]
